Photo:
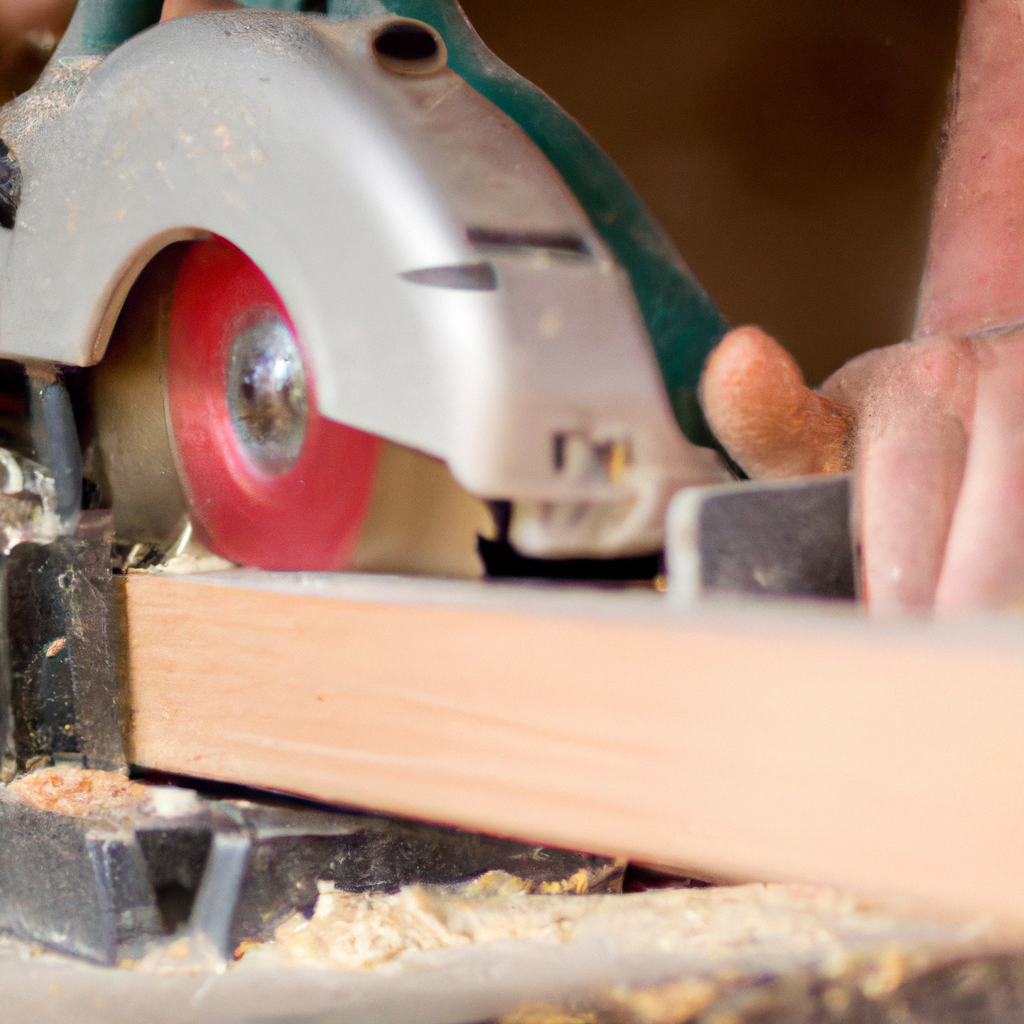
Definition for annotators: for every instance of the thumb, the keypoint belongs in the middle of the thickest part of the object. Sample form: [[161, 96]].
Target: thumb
[[758, 406]]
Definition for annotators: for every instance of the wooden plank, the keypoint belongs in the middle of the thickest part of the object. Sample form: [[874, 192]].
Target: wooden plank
[[782, 744]]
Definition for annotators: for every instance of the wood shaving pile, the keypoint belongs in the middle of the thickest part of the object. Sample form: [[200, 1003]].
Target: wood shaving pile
[[80, 792], [359, 930], [354, 931], [77, 791]]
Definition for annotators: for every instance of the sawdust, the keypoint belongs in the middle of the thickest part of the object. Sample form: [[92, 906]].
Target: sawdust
[[81, 792], [77, 791], [359, 930], [679, 1001], [192, 564], [764, 924]]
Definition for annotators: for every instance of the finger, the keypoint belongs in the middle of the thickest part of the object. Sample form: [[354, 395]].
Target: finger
[[756, 403], [974, 276], [182, 8], [911, 452], [985, 558], [852, 384]]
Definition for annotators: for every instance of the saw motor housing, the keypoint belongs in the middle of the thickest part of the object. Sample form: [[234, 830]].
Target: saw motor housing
[[448, 294]]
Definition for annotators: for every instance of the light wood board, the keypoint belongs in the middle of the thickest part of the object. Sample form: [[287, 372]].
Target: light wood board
[[772, 743]]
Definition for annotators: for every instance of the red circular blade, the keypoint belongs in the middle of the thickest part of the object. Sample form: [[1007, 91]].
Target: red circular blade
[[306, 518]]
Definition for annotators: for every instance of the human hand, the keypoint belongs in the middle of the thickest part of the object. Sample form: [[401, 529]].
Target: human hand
[[934, 428], [903, 418]]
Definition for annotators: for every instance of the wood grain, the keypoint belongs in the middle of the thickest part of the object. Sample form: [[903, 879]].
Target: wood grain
[[765, 744]]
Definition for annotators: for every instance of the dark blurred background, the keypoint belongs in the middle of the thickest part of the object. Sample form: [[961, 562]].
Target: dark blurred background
[[788, 146]]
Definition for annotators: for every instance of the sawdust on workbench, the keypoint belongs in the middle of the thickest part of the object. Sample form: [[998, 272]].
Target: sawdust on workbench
[[365, 930], [82, 792], [77, 791], [355, 930]]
